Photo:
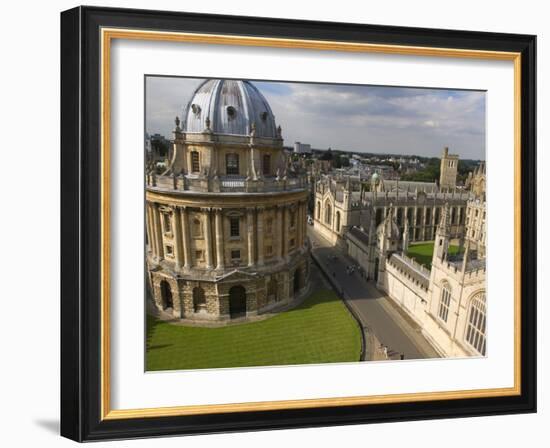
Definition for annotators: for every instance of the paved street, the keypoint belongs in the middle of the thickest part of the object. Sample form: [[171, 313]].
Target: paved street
[[388, 323]]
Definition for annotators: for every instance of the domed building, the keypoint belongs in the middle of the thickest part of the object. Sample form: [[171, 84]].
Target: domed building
[[226, 222]]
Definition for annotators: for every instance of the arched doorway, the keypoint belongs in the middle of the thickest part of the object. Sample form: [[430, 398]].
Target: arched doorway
[[237, 301], [272, 290], [297, 283], [166, 295], [199, 299]]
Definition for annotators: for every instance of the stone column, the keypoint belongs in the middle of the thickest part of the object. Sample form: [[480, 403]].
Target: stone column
[[303, 224], [285, 231], [280, 232], [250, 235], [414, 223], [186, 241], [158, 232], [219, 239], [150, 233], [178, 249], [260, 227], [299, 228], [208, 237]]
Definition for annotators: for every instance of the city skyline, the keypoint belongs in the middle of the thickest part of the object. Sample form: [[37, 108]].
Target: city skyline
[[364, 119]]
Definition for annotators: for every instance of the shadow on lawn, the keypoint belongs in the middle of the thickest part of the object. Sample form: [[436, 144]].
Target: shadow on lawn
[[152, 324], [159, 346]]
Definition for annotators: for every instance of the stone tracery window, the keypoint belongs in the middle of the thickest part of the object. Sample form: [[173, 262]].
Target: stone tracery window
[[444, 303], [328, 213], [475, 328]]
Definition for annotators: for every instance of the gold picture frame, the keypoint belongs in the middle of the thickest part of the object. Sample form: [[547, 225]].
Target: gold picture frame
[[107, 33]]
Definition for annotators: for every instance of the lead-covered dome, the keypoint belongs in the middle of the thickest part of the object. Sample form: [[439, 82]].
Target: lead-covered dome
[[233, 108]]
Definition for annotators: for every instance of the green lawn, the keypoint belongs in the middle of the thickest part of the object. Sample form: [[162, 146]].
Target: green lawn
[[320, 330], [422, 252]]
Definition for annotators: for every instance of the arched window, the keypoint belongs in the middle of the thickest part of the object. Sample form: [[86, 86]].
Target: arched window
[[232, 164], [195, 164], [475, 328], [199, 299], [399, 216], [328, 213], [337, 221], [318, 210], [266, 165], [444, 303]]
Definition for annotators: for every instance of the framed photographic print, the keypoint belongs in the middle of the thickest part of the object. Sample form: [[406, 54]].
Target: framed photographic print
[[275, 224]]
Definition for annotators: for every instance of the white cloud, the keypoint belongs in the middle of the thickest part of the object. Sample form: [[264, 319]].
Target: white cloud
[[359, 118]]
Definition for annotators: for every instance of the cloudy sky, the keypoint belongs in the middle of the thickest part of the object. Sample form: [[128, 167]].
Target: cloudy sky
[[376, 119]]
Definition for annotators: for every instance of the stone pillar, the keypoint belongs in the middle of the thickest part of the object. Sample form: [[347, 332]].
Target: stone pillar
[[158, 232], [186, 241], [150, 233], [219, 240], [299, 225], [280, 232], [285, 231], [260, 226], [208, 237], [414, 223], [303, 224], [178, 249], [250, 235]]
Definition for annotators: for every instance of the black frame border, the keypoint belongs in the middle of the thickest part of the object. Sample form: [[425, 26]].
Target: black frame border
[[81, 223]]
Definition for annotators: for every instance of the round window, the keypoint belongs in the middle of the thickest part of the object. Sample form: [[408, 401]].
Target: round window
[[231, 112]]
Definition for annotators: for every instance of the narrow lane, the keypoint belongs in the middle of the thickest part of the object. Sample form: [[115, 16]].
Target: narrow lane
[[391, 326]]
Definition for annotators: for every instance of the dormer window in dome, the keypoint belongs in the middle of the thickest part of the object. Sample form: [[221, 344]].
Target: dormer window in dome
[[264, 116], [231, 112], [196, 109]]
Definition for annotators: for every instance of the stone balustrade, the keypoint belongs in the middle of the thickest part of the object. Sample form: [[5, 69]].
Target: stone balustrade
[[225, 184]]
